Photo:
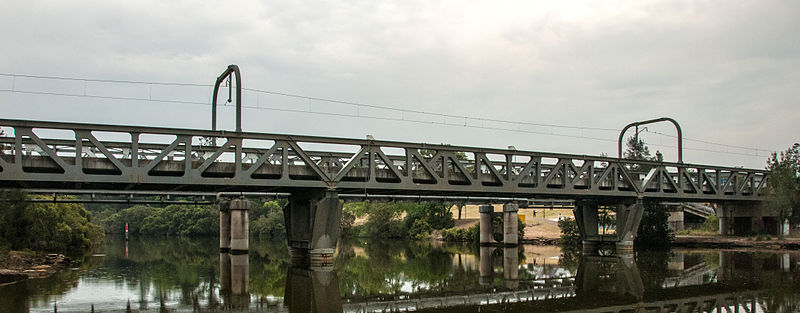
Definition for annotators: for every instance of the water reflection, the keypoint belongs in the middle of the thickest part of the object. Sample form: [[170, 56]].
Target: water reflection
[[309, 290], [186, 274], [234, 277]]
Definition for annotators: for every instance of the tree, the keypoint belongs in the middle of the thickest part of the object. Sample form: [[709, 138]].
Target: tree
[[653, 230], [636, 149], [783, 185]]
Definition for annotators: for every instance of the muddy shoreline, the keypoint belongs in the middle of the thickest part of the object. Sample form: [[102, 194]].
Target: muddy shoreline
[[17, 266]]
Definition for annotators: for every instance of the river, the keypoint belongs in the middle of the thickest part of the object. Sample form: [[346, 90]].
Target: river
[[190, 275]]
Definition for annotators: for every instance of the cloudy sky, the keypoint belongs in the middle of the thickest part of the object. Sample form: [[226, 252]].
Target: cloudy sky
[[728, 71]]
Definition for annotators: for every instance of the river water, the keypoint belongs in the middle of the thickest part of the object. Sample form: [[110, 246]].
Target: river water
[[190, 275]]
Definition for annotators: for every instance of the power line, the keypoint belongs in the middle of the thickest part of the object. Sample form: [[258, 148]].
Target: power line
[[363, 116], [303, 111], [709, 142], [427, 113], [104, 80], [290, 95], [359, 115]]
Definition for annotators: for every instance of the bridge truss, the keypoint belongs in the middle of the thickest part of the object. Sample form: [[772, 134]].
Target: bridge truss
[[53, 155]]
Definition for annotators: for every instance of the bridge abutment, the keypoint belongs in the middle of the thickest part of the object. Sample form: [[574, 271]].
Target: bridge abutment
[[747, 218], [313, 225]]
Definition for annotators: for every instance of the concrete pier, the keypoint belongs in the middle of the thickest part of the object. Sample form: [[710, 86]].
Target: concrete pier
[[239, 226], [486, 231], [510, 224], [587, 220], [224, 224], [628, 218], [313, 226]]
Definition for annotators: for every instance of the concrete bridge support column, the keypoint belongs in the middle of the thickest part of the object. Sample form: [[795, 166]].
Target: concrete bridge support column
[[312, 225], [224, 224], [486, 268], [510, 224], [239, 225], [486, 211], [628, 219], [725, 213], [587, 220]]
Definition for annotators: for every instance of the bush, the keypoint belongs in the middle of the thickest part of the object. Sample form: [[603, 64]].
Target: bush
[[57, 227], [460, 234], [497, 228], [268, 221], [383, 222], [570, 234], [654, 232], [711, 225], [420, 229]]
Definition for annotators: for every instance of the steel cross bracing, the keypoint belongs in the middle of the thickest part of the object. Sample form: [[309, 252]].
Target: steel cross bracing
[[36, 154]]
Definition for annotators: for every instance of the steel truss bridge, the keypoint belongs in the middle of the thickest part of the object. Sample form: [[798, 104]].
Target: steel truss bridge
[[70, 156]]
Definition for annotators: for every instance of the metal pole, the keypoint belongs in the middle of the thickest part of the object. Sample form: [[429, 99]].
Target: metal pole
[[232, 69], [637, 124]]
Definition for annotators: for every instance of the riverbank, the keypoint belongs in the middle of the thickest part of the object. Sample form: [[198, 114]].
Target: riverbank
[[16, 266], [724, 242]]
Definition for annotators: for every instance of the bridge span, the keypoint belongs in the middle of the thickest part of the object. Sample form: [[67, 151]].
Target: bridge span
[[316, 170]]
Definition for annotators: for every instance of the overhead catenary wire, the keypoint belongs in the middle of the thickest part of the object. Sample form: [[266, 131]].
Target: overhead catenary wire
[[482, 120]]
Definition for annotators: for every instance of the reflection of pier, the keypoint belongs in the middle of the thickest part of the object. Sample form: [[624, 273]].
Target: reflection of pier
[[234, 272]]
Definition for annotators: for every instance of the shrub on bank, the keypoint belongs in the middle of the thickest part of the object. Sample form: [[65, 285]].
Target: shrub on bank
[[54, 227], [461, 234]]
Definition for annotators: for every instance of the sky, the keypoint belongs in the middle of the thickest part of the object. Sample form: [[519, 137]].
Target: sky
[[550, 76]]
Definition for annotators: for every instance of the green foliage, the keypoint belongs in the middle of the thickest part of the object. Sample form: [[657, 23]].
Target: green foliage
[[497, 228], [711, 224], [570, 234], [176, 219], [436, 215], [57, 227], [654, 232], [636, 149], [420, 229], [384, 221], [783, 186], [471, 234], [266, 221], [347, 229]]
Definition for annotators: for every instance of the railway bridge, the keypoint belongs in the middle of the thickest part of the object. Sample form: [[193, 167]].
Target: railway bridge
[[317, 172]]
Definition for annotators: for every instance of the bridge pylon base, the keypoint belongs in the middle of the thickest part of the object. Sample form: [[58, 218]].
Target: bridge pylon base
[[312, 226]]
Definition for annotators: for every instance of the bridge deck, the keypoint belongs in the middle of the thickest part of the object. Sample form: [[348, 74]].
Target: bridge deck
[[37, 154]]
